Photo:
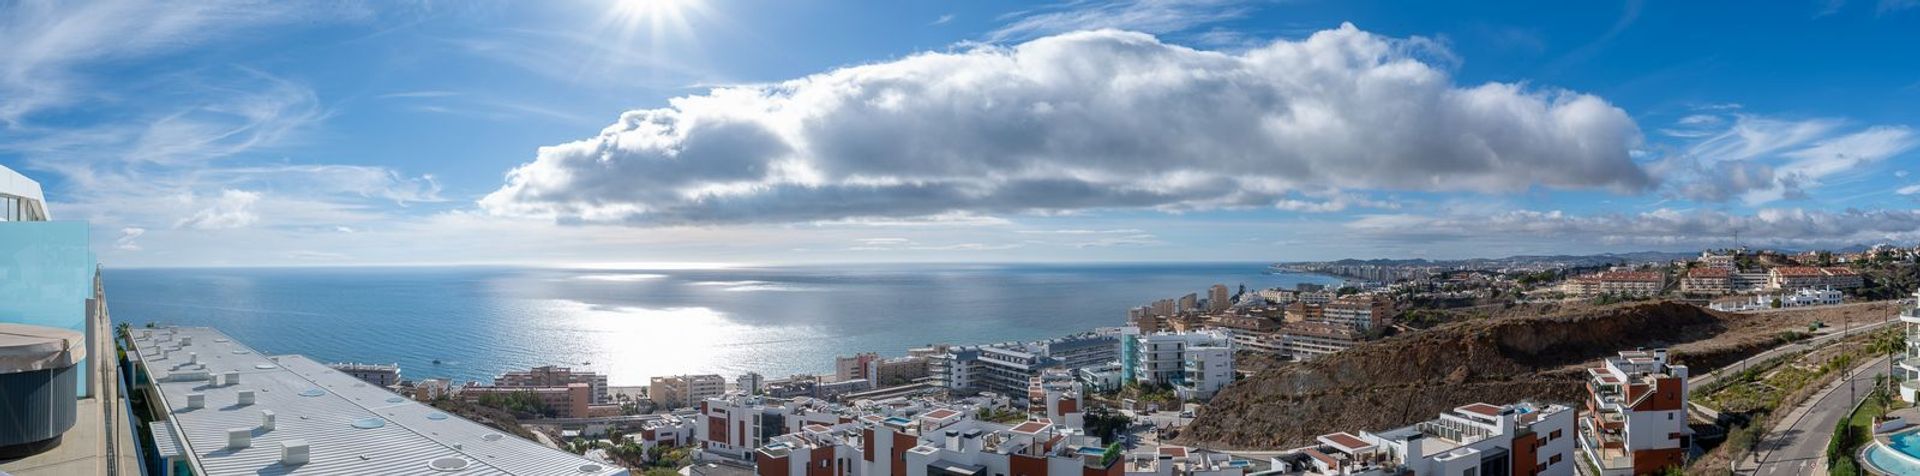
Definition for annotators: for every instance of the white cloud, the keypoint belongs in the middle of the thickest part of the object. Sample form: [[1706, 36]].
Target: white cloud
[[1792, 227], [1908, 190], [942, 20], [127, 237], [1150, 16], [1760, 159], [1087, 120], [233, 209], [47, 41]]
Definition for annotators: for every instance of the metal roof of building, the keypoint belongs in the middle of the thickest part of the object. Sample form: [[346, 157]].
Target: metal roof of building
[[350, 427]]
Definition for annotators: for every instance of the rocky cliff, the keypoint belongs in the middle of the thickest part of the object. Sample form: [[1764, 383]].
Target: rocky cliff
[[1412, 377]]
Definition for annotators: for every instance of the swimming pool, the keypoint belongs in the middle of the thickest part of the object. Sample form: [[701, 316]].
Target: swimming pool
[[1901, 456]]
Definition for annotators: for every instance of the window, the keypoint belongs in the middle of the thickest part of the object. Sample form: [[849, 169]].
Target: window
[[1553, 460], [1554, 436], [1470, 472]]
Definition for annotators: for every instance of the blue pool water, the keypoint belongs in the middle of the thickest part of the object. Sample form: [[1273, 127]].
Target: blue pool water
[[1885, 458], [634, 324]]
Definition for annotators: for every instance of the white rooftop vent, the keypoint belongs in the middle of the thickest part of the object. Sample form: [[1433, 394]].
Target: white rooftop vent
[[193, 357], [233, 377], [292, 452], [266, 419], [238, 438], [246, 398], [186, 340], [196, 400]]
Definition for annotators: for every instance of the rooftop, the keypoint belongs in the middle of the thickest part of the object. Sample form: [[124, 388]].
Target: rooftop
[[350, 427]]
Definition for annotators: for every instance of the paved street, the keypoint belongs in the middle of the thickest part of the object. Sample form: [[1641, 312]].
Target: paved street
[[1800, 446]]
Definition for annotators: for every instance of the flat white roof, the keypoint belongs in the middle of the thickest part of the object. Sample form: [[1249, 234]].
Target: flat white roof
[[350, 427]]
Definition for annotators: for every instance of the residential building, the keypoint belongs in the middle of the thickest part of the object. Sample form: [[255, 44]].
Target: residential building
[[51, 289], [1163, 358], [1724, 261], [683, 390], [228, 409], [384, 375], [1632, 283], [897, 371], [551, 376], [1318, 296], [574, 400], [1205, 369], [668, 431], [1305, 341], [1361, 312], [1189, 303], [853, 367], [1301, 311], [1803, 277], [731, 426], [1219, 297], [1709, 280], [749, 383], [1006, 368], [1635, 420], [1909, 371], [1522, 439]]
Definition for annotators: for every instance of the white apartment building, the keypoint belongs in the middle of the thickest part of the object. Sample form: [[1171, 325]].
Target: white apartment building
[[1163, 358], [1636, 421], [1909, 370], [1522, 439], [683, 390]]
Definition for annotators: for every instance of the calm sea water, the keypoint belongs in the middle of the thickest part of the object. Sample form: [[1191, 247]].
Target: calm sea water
[[636, 324]]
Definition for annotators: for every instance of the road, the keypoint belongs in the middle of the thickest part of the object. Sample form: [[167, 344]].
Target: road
[[1837, 333], [1800, 447]]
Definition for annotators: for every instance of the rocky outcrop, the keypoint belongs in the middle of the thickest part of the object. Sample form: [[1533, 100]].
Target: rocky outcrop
[[1412, 377]]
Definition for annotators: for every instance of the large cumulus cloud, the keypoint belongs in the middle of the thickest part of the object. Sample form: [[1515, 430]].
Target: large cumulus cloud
[[1100, 119]]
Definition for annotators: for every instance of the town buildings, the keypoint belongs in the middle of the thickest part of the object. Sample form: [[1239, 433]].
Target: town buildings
[[551, 376], [1310, 340], [383, 375], [227, 409], [1635, 420], [1476, 439], [1804, 277], [1006, 368], [1616, 283], [948, 441], [1709, 281], [1361, 312], [569, 401], [683, 390]]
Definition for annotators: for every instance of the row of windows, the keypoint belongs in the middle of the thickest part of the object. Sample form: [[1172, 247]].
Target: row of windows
[[14, 208]]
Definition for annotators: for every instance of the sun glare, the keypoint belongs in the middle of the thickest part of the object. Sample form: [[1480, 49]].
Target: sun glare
[[657, 17]]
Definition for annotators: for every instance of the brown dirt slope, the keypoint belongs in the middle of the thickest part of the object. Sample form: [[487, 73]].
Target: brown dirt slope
[[1415, 376]]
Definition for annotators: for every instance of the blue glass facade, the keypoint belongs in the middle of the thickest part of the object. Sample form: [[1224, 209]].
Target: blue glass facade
[[46, 275]]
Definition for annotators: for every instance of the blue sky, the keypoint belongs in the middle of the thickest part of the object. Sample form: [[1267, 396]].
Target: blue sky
[[720, 131]]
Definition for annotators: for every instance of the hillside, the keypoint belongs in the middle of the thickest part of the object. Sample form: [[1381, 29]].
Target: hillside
[[1415, 376]]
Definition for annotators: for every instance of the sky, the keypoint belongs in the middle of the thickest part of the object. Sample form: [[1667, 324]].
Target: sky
[[703, 132]]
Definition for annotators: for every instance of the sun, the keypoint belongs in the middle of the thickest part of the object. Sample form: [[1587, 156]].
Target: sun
[[657, 17]]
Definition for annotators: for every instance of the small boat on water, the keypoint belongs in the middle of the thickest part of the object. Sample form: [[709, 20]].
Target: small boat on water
[[436, 361]]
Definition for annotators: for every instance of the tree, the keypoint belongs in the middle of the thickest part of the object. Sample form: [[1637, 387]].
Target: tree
[[1106, 424]]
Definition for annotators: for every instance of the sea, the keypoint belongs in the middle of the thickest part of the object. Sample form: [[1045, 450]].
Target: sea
[[472, 323]]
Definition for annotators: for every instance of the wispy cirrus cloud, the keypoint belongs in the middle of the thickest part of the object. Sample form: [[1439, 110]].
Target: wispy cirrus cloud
[[1664, 227], [1759, 159], [1149, 16]]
